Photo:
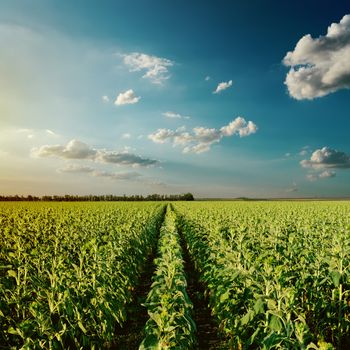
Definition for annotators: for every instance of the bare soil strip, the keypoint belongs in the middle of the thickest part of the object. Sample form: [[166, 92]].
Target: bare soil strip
[[131, 334], [207, 330]]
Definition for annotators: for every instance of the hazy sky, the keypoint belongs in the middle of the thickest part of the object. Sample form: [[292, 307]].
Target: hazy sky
[[219, 98]]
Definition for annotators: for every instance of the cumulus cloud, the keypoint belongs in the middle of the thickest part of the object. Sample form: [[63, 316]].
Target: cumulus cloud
[[126, 98], [324, 175], [156, 68], [126, 136], [201, 139], [222, 86], [105, 98], [320, 66], [327, 158], [173, 115], [207, 78], [76, 149]]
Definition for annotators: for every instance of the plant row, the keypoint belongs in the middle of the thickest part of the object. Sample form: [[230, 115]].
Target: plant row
[[277, 276], [68, 270], [170, 325]]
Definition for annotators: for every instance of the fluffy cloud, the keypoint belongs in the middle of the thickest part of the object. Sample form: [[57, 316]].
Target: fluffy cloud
[[77, 168], [156, 68], [207, 78], [126, 98], [126, 136], [173, 115], [327, 158], [222, 86], [324, 175], [201, 139], [76, 149], [105, 98], [320, 66]]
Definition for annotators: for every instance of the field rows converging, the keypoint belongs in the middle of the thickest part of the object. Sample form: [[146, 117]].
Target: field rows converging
[[203, 275]]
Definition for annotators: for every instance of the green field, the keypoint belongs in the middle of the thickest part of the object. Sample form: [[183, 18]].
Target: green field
[[184, 275]]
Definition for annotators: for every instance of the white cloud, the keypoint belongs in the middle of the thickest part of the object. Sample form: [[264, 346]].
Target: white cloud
[[51, 133], [207, 78], [327, 173], [76, 149], [324, 175], [105, 98], [222, 86], [156, 68], [201, 139], [116, 176], [173, 115], [126, 136], [127, 97], [76, 168], [320, 66], [327, 158]]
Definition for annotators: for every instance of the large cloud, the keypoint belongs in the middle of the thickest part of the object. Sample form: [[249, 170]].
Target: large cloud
[[320, 66], [156, 68], [76, 149], [222, 86], [201, 139], [126, 98], [327, 158]]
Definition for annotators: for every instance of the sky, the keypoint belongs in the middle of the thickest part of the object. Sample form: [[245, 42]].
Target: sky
[[220, 99]]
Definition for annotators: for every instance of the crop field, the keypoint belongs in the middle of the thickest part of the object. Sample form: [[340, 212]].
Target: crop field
[[184, 275]]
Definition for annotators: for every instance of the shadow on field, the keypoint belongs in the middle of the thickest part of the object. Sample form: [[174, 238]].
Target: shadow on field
[[131, 334], [207, 330]]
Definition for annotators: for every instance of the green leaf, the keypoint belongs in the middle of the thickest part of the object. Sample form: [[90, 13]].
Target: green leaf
[[11, 330], [336, 275], [247, 317], [275, 324], [81, 326], [12, 273], [225, 296], [259, 306], [150, 343]]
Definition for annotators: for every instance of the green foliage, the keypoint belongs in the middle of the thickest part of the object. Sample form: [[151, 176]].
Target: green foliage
[[170, 325], [277, 274], [68, 270]]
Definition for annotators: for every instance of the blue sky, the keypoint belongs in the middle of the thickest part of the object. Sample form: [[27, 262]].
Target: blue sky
[[222, 99]]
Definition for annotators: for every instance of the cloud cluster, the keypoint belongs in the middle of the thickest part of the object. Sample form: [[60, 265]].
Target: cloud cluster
[[201, 139], [156, 68], [126, 98], [173, 115], [324, 175], [327, 158], [324, 159], [76, 149], [222, 86], [76, 168], [320, 66]]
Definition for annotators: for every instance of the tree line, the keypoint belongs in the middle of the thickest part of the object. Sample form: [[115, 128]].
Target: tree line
[[99, 198]]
